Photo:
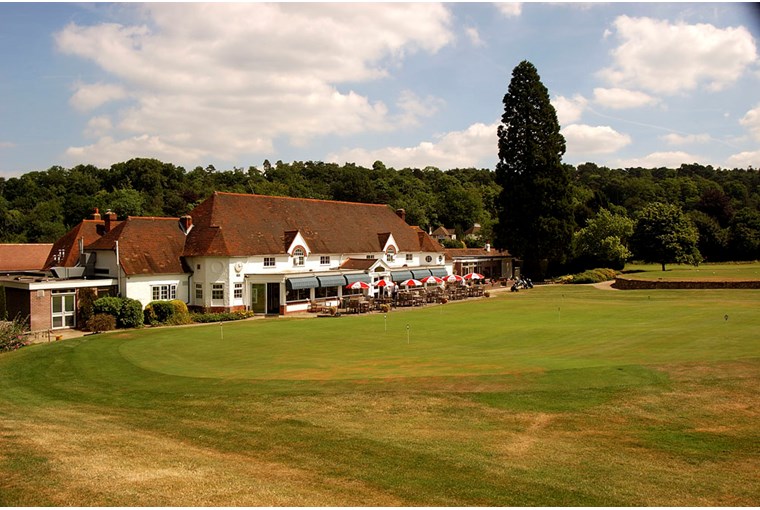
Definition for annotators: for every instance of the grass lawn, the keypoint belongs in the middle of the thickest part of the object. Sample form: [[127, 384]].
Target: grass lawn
[[732, 271], [556, 396]]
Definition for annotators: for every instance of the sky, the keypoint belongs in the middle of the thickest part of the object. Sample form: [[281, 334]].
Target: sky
[[411, 85]]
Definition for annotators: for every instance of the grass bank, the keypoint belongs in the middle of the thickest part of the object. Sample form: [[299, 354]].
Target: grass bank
[[556, 396]]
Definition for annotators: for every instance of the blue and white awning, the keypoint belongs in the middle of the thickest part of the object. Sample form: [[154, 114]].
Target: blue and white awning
[[308, 282]]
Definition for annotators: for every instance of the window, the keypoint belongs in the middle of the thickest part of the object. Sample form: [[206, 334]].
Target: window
[[390, 254], [292, 295], [298, 256], [198, 291], [238, 291], [217, 291], [409, 257], [324, 260], [163, 292], [428, 259], [63, 313], [59, 256], [370, 256], [268, 261], [325, 292]]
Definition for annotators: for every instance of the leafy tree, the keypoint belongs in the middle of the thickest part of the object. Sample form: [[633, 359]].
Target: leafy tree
[[604, 240], [713, 240], [535, 213], [664, 234], [744, 235]]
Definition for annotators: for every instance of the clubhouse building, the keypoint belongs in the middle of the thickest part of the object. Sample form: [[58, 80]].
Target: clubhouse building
[[271, 255]]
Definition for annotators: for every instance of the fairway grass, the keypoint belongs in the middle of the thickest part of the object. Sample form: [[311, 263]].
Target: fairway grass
[[556, 396]]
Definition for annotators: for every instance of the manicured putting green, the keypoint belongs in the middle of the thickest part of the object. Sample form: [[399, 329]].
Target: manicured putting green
[[545, 328]]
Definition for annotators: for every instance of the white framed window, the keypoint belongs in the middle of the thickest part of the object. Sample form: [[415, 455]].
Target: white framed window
[[198, 291], [428, 259], [390, 254], [217, 292], [63, 309], [409, 257], [238, 291], [298, 256], [163, 292], [324, 260], [268, 261], [370, 256]]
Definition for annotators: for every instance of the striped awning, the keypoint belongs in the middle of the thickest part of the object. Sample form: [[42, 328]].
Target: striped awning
[[309, 282], [358, 277], [440, 272], [400, 276], [420, 273], [332, 281]]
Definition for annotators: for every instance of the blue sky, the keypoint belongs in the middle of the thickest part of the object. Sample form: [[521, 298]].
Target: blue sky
[[634, 84]]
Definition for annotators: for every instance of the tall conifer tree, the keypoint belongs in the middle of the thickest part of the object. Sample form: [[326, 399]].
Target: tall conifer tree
[[535, 210]]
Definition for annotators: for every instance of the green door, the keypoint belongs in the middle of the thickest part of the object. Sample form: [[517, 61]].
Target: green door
[[258, 298]]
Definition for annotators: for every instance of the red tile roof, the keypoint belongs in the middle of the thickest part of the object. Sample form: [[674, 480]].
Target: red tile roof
[[147, 245], [23, 257], [231, 224], [67, 246], [474, 252], [359, 264]]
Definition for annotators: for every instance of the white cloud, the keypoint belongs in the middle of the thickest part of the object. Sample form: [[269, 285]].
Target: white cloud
[[474, 36], [228, 79], [618, 99], [509, 9], [106, 151], [569, 110], [6, 145], [585, 140], [412, 107], [676, 139], [91, 96], [98, 126], [672, 57], [744, 160], [661, 159], [751, 121], [476, 146]]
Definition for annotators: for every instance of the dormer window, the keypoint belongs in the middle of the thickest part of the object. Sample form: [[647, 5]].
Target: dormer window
[[298, 256], [390, 254]]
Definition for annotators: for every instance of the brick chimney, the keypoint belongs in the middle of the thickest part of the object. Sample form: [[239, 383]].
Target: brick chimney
[[401, 213], [186, 223], [109, 217], [95, 214]]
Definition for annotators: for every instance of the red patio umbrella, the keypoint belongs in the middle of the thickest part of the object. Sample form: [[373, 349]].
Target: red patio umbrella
[[411, 282], [431, 279], [453, 278], [383, 283], [473, 276], [357, 285]]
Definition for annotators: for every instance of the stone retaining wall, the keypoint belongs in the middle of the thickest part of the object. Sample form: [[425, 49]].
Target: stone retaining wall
[[627, 284]]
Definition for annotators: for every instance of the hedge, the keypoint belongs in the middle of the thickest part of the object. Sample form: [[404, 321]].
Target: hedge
[[126, 311], [221, 317], [591, 276]]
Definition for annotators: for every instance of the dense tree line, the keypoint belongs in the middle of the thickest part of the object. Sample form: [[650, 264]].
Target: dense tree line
[[722, 205]]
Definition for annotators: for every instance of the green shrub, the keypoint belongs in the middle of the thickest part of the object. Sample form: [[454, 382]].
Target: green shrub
[[101, 322], [593, 276], [158, 313], [180, 315], [221, 317], [85, 305], [126, 312], [12, 334], [131, 314], [109, 304]]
